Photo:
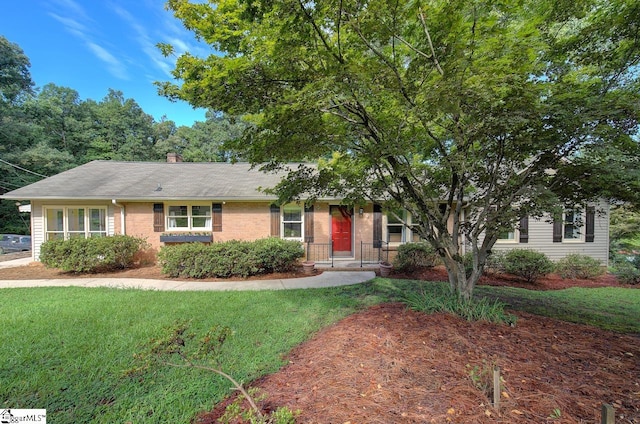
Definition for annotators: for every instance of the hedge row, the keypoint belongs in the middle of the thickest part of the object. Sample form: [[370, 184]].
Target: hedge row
[[230, 259], [525, 263], [94, 254]]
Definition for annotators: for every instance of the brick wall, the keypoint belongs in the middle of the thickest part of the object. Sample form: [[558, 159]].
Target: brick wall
[[244, 221]]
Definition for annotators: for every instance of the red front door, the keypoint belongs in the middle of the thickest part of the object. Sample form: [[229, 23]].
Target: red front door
[[341, 227]]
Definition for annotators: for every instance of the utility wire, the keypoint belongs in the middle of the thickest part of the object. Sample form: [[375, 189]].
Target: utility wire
[[22, 169]]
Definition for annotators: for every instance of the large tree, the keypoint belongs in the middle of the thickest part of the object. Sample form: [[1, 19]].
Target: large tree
[[437, 106]]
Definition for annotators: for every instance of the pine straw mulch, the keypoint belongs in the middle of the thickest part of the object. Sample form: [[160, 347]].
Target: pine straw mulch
[[389, 364]]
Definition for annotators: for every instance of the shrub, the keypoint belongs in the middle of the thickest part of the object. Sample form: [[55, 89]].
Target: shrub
[[527, 264], [277, 255], [579, 266], [412, 256], [626, 273], [495, 262], [92, 254], [230, 258]]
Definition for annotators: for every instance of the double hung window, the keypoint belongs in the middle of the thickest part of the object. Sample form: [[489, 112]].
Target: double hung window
[[572, 225], [395, 227], [507, 236], [292, 222], [189, 217]]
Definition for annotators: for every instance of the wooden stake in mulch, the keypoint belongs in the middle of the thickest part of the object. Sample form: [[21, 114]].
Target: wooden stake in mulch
[[608, 414], [496, 387]]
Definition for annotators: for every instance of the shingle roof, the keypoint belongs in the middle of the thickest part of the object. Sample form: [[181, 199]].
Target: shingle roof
[[152, 181]]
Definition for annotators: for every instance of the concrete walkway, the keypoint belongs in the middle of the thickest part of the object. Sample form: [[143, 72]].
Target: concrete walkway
[[326, 279]]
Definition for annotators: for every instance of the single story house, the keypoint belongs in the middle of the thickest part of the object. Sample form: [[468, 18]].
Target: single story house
[[159, 201]]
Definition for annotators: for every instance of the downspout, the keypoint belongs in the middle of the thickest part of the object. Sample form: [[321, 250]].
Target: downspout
[[123, 229]]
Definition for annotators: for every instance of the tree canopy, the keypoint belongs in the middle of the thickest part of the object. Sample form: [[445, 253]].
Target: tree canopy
[[49, 129], [435, 106]]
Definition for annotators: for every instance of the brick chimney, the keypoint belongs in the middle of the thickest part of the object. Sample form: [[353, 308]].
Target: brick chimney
[[173, 158]]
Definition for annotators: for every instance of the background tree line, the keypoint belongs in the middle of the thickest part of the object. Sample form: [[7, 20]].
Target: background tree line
[[47, 130]]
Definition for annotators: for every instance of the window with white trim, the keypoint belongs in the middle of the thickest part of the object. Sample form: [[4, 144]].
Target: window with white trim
[[189, 218], [71, 222], [292, 222], [572, 225], [508, 236], [395, 227]]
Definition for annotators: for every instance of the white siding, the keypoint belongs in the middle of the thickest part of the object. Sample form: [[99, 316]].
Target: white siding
[[37, 228], [541, 239]]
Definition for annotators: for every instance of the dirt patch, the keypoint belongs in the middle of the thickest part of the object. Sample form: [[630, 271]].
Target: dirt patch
[[392, 365]]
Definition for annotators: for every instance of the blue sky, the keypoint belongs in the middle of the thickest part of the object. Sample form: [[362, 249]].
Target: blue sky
[[93, 45]]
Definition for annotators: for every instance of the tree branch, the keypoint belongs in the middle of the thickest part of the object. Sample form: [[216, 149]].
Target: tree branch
[[318, 31], [433, 52]]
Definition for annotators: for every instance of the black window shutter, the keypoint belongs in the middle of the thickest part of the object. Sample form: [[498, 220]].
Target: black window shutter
[[557, 228], [216, 217], [158, 217], [308, 224], [275, 221], [591, 221], [524, 229], [377, 226]]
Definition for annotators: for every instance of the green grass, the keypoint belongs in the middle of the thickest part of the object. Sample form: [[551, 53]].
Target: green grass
[[67, 349], [611, 308]]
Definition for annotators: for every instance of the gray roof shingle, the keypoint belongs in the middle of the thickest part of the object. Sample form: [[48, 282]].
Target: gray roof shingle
[[146, 181]]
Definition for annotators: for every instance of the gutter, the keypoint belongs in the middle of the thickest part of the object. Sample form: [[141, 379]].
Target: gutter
[[123, 228]]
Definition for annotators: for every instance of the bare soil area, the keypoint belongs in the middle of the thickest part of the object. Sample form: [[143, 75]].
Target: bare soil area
[[388, 364]]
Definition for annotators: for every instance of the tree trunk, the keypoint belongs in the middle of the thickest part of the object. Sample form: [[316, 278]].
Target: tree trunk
[[459, 282]]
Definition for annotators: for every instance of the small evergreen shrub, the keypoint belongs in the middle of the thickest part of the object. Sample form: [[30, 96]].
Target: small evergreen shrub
[[527, 264], [579, 266], [626, 273], [230, 259], [94, 254], [495, 262], [412, 256], [277, 255]]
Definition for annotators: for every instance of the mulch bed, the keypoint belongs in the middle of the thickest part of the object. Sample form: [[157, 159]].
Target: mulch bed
[[389, 364], [392, 365]]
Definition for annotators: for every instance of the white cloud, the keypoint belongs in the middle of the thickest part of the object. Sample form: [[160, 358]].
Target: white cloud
[[70, 24], [75, 20], [145, 42], [114, 66]]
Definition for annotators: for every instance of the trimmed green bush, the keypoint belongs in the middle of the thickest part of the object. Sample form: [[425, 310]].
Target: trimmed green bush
[[495, 262], [579, 266], [527, 264], [626, 273], [94, 254], [230, 258], [412, 256], [277, 255]]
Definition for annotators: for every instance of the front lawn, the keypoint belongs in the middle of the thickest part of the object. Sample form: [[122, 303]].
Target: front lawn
[[67, 349]]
